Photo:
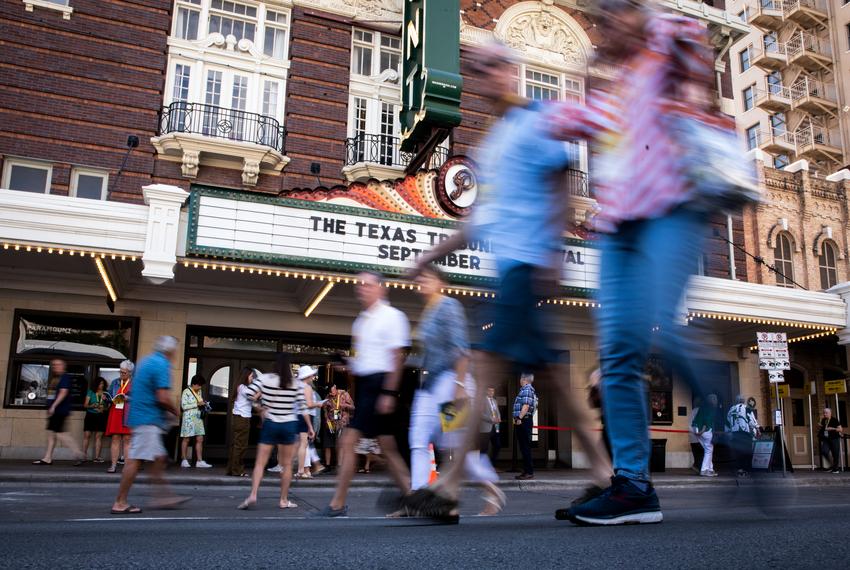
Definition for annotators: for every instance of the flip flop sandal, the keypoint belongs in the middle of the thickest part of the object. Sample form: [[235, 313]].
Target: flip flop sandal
[[246, 504], [131, 510], [111, 469], [42, 462], [288, 505]]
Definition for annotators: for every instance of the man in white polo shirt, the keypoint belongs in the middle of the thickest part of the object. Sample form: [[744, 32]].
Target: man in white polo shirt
[[380, 336]]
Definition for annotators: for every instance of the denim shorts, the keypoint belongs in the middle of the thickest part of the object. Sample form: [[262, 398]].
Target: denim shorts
[[278, 433], [519, 331]]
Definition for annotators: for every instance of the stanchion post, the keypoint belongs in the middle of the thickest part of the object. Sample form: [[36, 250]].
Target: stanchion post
[[781, 429]]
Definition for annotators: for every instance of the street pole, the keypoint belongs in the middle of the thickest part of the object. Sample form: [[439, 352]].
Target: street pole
[[781, 429], [838, 417]]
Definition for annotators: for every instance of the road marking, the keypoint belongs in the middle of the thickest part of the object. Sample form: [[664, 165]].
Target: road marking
[[117, 518]]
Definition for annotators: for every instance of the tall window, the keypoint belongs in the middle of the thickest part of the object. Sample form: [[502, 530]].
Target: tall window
[[374, 52], [771, 42], [753, 136], [828, 271], [274, 43], [360, 108], [234, 18], [777, 124], [774, 82], [744, 59], [188, 15], [749, 95], [783, 261]]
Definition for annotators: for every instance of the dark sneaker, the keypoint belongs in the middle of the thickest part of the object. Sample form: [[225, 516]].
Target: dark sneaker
[[330, 513], [621, 503], [589, 494]]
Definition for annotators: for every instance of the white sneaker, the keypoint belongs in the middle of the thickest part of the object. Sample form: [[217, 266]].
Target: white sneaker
[[275, 469], [202, 465], [185, 464]]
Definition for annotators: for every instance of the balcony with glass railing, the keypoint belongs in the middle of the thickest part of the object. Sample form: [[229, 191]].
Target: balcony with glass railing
[[814, 97], [773, 98], [380, 157], [766, 14], [196, 132], [808, 51]]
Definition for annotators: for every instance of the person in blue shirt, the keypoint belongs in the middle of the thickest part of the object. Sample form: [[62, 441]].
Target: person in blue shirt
[[521, 216], [59, 408], [525, 405], [150, 414]]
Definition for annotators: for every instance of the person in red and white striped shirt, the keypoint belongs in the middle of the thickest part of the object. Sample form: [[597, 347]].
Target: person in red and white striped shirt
[[650, 239]]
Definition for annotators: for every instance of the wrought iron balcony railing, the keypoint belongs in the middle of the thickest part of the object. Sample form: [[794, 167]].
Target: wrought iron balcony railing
[[577, 183], [385, 150], [218, 122]]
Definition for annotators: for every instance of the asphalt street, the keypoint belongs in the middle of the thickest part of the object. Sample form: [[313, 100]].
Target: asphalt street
[[69, 526]]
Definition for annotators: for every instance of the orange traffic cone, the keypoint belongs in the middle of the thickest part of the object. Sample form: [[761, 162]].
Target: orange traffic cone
[[432, 478]]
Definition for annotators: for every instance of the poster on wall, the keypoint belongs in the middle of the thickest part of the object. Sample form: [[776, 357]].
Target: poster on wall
[[660, 380]]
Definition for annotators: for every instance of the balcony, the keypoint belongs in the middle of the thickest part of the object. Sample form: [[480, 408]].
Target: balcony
[[809, 52], [380, 157], [767, 14], [814, 97], [806, 13], [779, 142], [816, 144], [769, 58], [196, 133], [774, 99]]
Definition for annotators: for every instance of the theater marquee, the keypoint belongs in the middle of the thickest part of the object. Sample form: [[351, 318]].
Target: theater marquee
[[297, 233]]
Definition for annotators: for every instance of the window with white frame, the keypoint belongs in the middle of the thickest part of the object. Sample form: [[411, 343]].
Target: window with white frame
[[828, 268], [553, 86], [373, 53], [752, 136], [233, 18], [89, 183], [783, 260], [187, 19], [276, 34], [749, 96], [27, 175]]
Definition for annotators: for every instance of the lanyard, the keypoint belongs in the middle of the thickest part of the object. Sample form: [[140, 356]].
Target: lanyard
[[197, 397], [336, 406], [123, 387]]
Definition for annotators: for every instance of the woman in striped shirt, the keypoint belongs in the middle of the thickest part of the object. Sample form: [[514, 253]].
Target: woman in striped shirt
[[279, 397]]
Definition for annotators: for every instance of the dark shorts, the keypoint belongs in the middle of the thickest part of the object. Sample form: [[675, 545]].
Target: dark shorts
[[366, 421], [94, 422], [302, 425], [282, 433], [56, 423], [519, 331]]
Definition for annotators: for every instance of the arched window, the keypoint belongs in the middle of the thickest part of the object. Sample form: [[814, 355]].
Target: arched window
[[826, 261], [783, 261]]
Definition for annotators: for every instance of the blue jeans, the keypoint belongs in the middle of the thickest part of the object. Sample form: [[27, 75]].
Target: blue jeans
[[645, 269]]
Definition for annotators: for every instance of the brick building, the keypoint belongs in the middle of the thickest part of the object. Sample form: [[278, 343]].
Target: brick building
[[186, 157]]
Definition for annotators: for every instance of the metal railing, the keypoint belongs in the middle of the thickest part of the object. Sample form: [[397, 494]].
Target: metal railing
[[774, 92], [812, 135], [802, 42], [808, 87], [385, 150], [219, 122], [577, 183], [776, 137]]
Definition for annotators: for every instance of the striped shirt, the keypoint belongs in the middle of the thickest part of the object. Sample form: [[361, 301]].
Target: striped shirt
[[281, 404], [637, 174]]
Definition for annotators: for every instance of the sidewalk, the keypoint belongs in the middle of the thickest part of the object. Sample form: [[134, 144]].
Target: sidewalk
[[65, 472]]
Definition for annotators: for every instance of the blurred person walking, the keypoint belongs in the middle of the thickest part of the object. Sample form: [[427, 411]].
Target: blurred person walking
[[59, 407], [380, 335], [151, 414], [521, 213], [94, 424], [116, 425], [280, 397], [240, 424], [648, 202], [192, 424]]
